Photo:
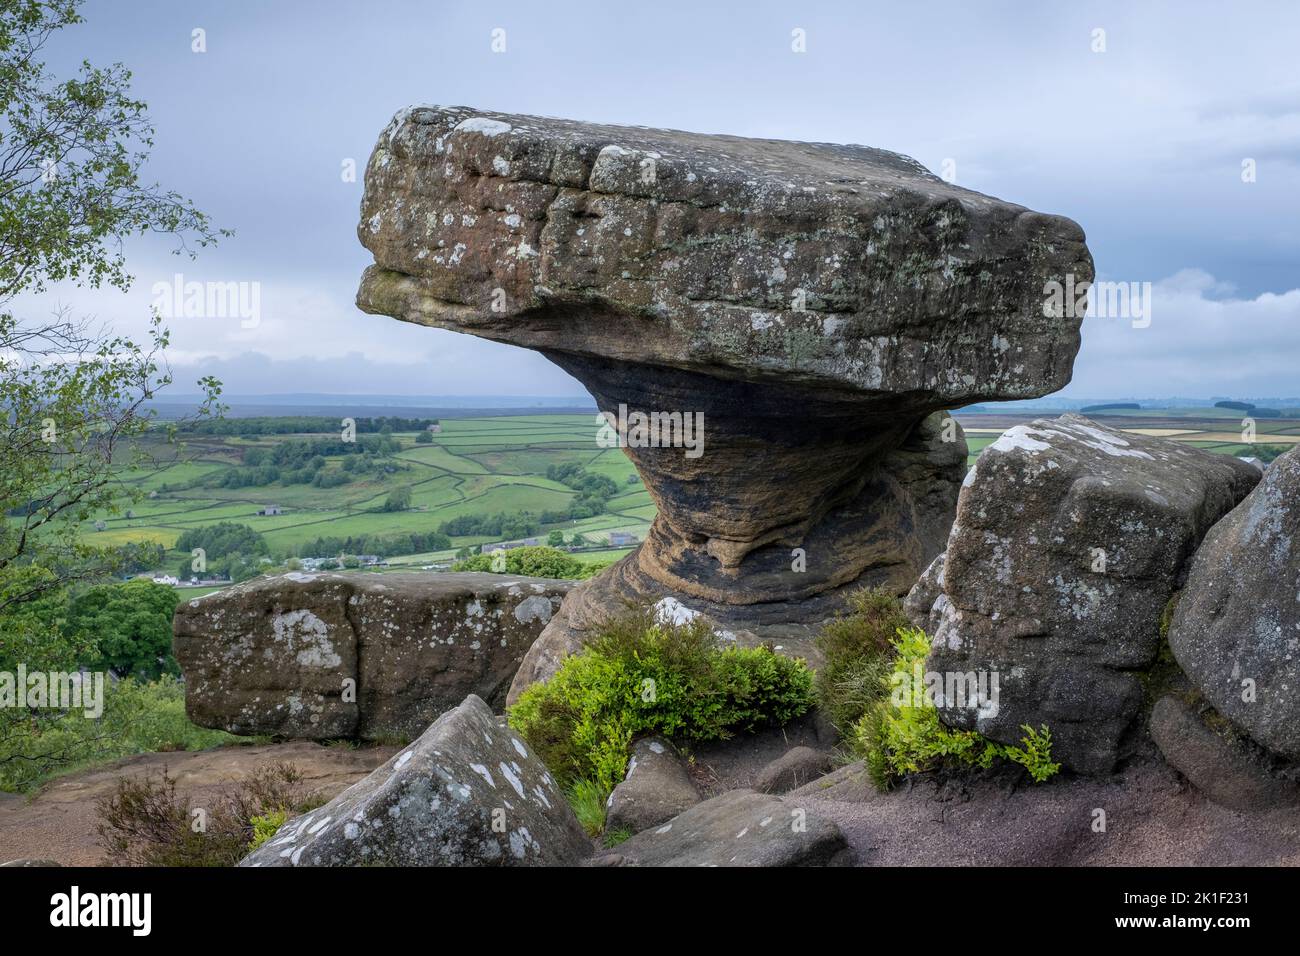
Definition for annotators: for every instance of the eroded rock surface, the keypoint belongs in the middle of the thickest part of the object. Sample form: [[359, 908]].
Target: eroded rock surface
[[1219, 760], [738, 828], [655, 789], [1070, 540], [1236, 631], [818, 305], [355, 655], [468, 792], [795, 768]]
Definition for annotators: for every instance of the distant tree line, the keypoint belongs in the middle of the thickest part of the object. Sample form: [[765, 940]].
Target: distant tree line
[[305, 424], [415, 542], [230, 550], [1109, 406], [502, 525], [1253, 410], [303, 462]]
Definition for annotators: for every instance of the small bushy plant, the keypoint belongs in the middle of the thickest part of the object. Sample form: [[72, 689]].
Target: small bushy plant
[[266, 826], [144, 822], [896, 740], [639, 676]]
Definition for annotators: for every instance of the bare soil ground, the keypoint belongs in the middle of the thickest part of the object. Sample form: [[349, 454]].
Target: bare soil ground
[[59, 822]]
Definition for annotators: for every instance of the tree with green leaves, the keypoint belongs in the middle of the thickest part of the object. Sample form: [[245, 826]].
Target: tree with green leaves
[[399, 499], [74, 394], [130, 626]]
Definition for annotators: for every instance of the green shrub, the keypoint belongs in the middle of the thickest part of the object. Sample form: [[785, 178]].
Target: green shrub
[[539, 561], [265, 826], [897, 740], [130, 625], [640, 676], [857, 653]]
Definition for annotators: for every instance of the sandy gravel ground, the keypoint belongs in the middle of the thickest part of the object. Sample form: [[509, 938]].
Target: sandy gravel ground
[[1152, 817]]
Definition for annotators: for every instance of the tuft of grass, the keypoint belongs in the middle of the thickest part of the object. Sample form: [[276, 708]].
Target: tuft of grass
[[858, 653], [588, 800], [614, 837], [639, 676]]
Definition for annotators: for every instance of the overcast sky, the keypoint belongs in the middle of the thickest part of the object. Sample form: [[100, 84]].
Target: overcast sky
[[1142, 144]]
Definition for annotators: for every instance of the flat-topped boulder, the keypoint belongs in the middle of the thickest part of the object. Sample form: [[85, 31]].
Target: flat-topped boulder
[[1070, 539], [323, 655], [791, 319]]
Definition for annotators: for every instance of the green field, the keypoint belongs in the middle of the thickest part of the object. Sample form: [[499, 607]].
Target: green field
[[474, 466]]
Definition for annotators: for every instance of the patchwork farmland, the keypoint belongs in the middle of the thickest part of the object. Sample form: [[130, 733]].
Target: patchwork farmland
[[472, 466], [482, 466]]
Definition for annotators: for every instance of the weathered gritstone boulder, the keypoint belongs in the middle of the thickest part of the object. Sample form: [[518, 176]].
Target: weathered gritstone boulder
[[1236, 631], [793, 769], [468, 792], [1069, 541], [656, 788], [816, 304], [1219, 761], [738, 828], [355, 655]]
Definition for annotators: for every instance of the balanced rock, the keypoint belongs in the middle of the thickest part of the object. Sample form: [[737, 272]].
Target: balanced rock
[[738, 828], [655, 789], [355, 655], [770, 329], [468, 792], [1236, 631], [1070, 540]]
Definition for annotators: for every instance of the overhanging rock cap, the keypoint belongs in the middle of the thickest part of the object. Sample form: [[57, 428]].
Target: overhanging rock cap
[[841, 268]]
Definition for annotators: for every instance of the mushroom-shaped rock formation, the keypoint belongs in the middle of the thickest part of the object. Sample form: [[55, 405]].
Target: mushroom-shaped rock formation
[[806, 308]]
